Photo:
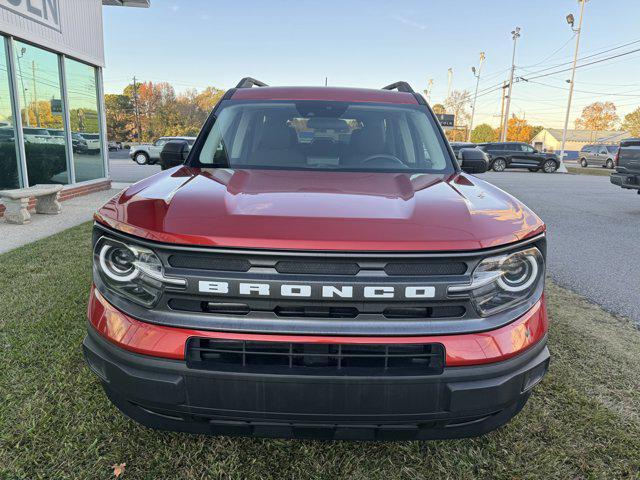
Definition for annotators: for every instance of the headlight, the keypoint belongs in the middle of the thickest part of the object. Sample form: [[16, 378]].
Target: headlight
[[502, 282], [131, 271]]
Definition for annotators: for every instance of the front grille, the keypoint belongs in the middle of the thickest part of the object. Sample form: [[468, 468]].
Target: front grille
[[209, 262], [315, 358], [426, 268], [316, 311], [318, 268]]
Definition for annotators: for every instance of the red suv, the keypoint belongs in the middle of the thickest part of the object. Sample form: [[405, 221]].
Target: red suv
[[320, 266]]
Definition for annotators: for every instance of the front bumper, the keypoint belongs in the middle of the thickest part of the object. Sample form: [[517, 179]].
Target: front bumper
[[462, 401], [626, 180]]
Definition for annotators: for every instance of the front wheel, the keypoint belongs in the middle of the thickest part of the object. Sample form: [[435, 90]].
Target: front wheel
[[141, 158], [549, 166], [499, 165], [610, 164], [583, 163]]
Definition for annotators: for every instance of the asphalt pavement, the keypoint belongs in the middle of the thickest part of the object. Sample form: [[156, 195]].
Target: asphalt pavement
[[593, 229], [593, 234], [124, 170]]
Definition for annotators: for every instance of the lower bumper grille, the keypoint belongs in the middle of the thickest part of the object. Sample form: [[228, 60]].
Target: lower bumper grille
[[315, 358]]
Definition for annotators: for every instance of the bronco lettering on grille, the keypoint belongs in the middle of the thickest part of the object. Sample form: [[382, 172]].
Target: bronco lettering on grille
[[324, 291]]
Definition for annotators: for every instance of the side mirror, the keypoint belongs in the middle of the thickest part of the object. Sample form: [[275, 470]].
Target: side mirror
[[173, 153], [474, 160]]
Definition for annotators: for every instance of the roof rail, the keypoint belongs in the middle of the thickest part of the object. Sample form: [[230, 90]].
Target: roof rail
[[400, 86], [248, 82]]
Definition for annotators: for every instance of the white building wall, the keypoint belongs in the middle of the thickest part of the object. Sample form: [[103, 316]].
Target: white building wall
[[77, 32]]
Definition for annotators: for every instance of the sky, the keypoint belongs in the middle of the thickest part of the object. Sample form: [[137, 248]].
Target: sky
[[371, 43]]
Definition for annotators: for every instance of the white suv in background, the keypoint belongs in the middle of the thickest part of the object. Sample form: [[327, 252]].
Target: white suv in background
[[150, 154]]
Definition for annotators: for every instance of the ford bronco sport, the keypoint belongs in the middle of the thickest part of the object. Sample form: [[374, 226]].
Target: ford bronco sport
[[321, 267]]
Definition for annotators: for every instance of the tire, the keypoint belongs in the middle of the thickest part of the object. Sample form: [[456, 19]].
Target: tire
[[534, 169], [583, 163], [499, 165], [549, 166], [610, 164], [141, 158]]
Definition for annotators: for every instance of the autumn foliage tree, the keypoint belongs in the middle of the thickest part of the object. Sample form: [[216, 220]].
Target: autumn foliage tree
[[518, 130], [598, 116], [631, 122], [159, 110]]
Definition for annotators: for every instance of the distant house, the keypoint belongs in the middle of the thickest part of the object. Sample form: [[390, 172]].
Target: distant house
[[550, 139]]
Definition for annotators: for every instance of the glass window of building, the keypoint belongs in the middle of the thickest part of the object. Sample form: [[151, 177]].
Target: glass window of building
[[38, 85], [9, 177], [82, 101]]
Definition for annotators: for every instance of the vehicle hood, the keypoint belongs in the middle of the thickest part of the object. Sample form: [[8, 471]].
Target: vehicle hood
[[302, 210]]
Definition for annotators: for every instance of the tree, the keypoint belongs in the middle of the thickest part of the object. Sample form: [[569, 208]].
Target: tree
[[457, 104], [119, 113], [483, 133], [536, 130], [438, 109], [161, 111], [518, 130], [631, 122], [598, 116]]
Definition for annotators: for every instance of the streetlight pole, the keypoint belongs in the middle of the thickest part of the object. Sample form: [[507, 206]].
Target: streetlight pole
[[450, 78], [475, 95], [505, 126], [562, 168]]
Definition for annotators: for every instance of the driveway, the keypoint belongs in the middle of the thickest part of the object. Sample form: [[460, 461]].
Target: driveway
[[124, 170], [593, 233]]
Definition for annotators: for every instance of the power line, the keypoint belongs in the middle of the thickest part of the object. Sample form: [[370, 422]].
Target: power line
[[582, 65]]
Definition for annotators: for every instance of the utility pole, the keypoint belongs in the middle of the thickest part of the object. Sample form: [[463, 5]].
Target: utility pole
[[24, 90], [326, 81], [475, 95], [35, 93], [504, 90], [570, 20], [450, 81], [427, 92], [515, 34], [136, 111]]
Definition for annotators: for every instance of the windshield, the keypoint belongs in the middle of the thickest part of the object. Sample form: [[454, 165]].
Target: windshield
[[320, 135], [612, 148]]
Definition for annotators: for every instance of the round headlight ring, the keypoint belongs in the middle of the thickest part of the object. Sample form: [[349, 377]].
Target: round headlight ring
[[111, 268], [531, 271]]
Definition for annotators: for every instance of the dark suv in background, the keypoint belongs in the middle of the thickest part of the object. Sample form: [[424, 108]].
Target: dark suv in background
[[602, 155], [627, 163], [503, 155]]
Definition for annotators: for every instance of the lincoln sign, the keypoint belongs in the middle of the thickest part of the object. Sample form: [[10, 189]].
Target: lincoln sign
[[45, 12]]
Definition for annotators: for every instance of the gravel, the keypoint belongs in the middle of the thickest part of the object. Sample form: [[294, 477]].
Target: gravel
[[593, 234]]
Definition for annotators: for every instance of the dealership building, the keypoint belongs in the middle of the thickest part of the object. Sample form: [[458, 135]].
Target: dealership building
[[52, 119]]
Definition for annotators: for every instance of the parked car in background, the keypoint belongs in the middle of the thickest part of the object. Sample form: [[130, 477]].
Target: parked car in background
[[57, 136], [114, 146], [627, 165], [503, 155], [79, 143], [457, 146], [38, 135], [144, 154], [600, 155], [93, 141], [7, 134]]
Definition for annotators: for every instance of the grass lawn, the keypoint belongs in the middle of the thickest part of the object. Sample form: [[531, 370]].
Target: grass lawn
[[583, 421], [598, 172]]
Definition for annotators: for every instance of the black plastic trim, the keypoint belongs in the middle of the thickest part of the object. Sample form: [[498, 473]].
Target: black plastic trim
[[462, 401]]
